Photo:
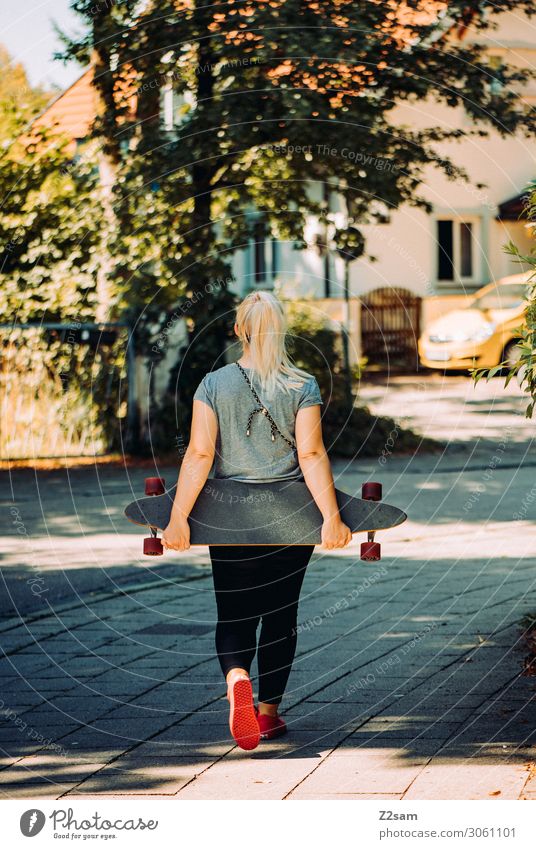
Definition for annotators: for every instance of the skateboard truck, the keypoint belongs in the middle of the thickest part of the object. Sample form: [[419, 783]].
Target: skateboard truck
[[152, 546], [370, 550]]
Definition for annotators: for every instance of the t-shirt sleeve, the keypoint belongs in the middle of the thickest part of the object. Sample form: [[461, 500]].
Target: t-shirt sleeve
[[310, 395], [205, 392]]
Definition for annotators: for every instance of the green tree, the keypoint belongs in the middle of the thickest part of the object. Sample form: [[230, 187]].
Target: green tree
[[18, 99], [49, 225], [317, 347]]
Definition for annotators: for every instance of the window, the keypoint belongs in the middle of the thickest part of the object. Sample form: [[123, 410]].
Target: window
[[496, 82], [455, 250], [445, 259], [174, 106]]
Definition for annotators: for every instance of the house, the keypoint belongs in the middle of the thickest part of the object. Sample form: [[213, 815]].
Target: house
[[425, 263]]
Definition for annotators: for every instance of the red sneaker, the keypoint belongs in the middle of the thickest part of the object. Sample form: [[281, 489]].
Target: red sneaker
[[242, 717], [270, 726]]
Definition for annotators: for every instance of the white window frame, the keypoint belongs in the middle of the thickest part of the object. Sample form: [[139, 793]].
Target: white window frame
[[170, 103], [476, 242], [168, 106]]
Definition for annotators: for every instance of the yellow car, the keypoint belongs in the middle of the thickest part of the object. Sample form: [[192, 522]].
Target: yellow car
[[482, 334]]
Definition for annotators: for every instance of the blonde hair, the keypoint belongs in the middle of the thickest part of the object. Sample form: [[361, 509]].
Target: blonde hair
[[261, 324]]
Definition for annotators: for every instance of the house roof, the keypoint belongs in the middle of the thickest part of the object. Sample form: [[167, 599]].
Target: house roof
[[514, 208], [73, 111]]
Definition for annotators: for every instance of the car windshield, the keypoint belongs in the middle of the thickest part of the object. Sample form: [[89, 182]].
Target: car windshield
[[505, 297]]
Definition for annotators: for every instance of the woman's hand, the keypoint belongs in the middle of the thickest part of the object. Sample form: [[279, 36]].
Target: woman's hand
[[176, 536], [335, 534]]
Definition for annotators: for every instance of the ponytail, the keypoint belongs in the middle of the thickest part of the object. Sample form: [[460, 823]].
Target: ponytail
[[262, 327]]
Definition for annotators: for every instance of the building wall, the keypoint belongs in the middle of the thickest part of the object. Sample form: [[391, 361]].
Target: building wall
[[407, 247]]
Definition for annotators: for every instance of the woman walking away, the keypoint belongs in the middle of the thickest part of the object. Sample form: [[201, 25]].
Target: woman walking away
[[248, 441]]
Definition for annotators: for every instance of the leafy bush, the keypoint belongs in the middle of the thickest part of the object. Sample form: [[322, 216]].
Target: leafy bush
[[524, 368], [316, 346], [52, 228]]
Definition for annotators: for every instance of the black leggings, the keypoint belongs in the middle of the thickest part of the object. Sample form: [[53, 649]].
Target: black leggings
[[254, 583]]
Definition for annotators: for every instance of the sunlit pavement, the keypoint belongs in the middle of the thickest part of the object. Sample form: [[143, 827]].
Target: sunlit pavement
[[408, 681]]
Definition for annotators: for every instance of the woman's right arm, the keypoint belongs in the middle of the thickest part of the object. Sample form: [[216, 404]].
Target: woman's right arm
[[316, 468]]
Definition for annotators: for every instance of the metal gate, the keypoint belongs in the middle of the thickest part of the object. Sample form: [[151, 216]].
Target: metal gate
[[390, 327]]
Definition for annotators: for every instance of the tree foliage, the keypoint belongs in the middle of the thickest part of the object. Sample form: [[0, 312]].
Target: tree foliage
[[50, 232], [18, 99], [51, 235]]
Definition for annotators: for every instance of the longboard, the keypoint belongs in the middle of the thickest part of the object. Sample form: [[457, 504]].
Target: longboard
[[229, 512]]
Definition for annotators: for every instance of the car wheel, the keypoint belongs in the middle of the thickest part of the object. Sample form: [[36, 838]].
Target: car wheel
[[511, 356], [511, 353]]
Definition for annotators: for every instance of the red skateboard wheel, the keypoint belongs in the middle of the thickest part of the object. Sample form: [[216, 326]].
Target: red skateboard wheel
[[370, 551], [152, 546], [155, 486], [371, 491]]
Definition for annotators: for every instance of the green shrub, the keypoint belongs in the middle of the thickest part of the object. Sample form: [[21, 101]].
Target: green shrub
[[525, 366], [315, 346]]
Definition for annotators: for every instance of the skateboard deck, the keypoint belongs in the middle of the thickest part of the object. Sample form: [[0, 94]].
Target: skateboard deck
[[229, 512]]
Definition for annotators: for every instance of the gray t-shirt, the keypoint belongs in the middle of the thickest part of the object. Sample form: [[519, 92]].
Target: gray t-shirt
[[254, 458]]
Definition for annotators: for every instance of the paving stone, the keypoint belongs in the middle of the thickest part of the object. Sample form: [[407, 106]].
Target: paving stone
[[166, 750], [189, 734], [405, 750], [247, 779], [44, 790], [145, 775], [447, 780], [300, 794], [87, 737], [328, 716], [156, 764], [136, 793], [298, 742], [365, 772], [61, 771]]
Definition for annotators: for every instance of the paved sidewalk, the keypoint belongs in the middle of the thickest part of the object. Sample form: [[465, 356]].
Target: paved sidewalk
[[408, 680]]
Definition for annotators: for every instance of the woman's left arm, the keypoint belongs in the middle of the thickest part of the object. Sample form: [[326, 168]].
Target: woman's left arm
[[194, 471]]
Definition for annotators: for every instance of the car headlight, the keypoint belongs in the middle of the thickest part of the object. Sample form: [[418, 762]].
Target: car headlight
[[482, 333], [479, 335]]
